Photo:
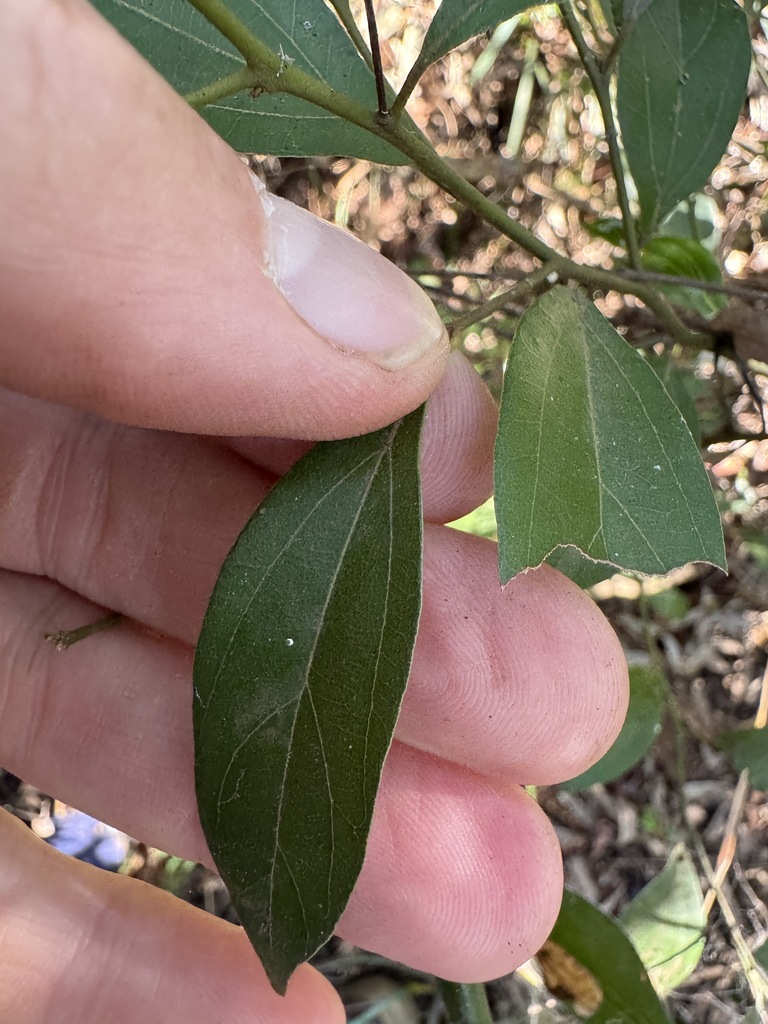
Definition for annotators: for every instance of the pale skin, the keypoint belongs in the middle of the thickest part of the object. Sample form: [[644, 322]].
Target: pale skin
[[140, 330]]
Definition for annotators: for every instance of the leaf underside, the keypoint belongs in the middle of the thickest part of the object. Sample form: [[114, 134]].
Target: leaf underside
[[592, 453], [682, 79], [189, 53], [299, 674], [666, 922]]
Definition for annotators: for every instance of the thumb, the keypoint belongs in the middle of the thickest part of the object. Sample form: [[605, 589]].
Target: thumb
[[144, 277]]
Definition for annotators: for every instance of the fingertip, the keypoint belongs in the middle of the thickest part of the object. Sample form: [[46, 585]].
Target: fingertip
[[528, 683], [457, 448], [484, 876], [152, 285], [80, 943]]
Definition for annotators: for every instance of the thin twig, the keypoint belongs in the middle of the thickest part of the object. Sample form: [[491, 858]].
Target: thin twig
[[63, 639], [618, 44], [755, 976], [601, 85], [747, 292], [727, 850], [271, 74], [449, 293], [465, 1004], [378, 71], [237, 82], [344, 14], [521, 290], [474, 275]]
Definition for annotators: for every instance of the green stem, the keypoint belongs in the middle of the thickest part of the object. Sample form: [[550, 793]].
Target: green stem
[[602, 87], [618, 44], [747, 292], [425, 158], [344, 14], [271, 73], [459, 324], [465, 1004], [266, 64], [231, 85]]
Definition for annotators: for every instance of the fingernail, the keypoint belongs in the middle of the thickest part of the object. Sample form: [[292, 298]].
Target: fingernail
[[344, 290]]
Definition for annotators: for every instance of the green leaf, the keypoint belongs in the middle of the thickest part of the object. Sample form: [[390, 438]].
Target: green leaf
[[457, 21], [647, 700], [481, 521], [599, 943], [674, 380], [682, 79], [178, 41], [609, 228], [666, 923], [299, 673], [761, 955], [592, 452], [695, 217], [685, 257], [577, 567], [634, 8], [748, 748]]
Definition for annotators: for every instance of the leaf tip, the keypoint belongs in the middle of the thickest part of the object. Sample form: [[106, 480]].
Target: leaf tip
[[278, 970]]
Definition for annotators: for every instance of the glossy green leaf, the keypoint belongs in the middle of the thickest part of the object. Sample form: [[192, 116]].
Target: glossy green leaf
[[299, 673], [682, 79], [591, 451], [647, 700], [178, 41], [599, 943], [666, 923], [748, 748], [685, 257], [456, 21]]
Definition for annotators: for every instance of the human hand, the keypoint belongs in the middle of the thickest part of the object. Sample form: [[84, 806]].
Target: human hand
[[142, 327]]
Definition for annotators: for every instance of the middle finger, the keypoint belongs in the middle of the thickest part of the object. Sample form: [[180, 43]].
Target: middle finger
[[526, 683]]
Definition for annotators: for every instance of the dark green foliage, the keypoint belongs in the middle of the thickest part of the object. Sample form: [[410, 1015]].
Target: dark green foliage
[[599, 943], [299, 674], [190, 53], [592, 452], [682, 81]]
